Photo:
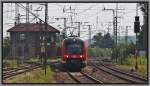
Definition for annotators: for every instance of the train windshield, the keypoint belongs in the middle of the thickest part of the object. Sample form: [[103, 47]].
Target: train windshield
[[74, 48]]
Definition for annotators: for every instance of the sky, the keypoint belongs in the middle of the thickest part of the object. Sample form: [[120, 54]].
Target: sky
[[92, 13]]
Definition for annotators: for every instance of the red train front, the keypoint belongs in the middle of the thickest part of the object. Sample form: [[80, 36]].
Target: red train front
[[73, 51]]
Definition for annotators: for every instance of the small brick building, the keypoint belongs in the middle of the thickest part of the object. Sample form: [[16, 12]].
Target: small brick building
[[26, 39]]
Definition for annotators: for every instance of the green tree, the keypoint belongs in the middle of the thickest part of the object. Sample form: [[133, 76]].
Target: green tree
[[131, 48], [6, 46], [103, 41], [107, 41], [124, 50], [90, 52], [142, 38], [98, 40]]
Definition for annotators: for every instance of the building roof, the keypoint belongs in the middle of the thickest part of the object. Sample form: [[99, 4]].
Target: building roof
[[32, 27]]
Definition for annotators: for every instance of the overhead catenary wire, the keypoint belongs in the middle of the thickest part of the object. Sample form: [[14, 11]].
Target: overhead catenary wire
[[89, 16], [83, 11], [20, 5], [89, 8]]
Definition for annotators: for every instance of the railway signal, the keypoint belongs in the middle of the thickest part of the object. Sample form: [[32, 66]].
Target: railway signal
[[136, 30], [136, 25], [115, 27]]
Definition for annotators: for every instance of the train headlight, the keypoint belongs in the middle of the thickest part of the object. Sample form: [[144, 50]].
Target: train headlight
[[81, 56], [66, 56]]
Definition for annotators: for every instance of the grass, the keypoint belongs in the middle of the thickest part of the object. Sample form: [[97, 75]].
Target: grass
[[131, 62], [10, 63], [49, 59], [34, 59], [37, 76], [54, 60]]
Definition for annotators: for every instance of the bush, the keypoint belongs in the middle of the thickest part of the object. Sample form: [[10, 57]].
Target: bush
[[142, 63], [99, 52]]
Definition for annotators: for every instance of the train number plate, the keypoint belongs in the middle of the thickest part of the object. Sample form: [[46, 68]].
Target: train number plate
[[74, 56]]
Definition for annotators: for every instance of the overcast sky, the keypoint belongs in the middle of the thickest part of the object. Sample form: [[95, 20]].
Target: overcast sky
[[84, 12]]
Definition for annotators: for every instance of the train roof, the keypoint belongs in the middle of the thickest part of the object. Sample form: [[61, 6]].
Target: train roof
[[71, 39]]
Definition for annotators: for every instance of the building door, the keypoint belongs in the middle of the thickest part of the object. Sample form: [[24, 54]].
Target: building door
[[19, 51]]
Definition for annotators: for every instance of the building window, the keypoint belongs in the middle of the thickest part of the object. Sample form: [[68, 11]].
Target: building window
[[52, 39], [22, 36]]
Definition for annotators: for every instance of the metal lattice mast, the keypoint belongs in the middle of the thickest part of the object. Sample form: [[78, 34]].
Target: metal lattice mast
[[17, 19], [45, 37], [27, 13]]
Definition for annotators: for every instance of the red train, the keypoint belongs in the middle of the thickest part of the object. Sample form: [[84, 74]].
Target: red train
[[73, 51]]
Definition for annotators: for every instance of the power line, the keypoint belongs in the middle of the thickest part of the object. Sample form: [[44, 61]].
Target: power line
[[89, 28], [20, 5], [89, 16], [79, 24], [89, 8]]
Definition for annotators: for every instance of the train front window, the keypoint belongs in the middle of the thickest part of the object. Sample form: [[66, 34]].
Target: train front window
[[74, 48]]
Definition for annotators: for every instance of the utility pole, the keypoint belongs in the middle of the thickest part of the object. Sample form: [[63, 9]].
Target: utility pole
[[97, 23], [16, 22], [115, 25], [126, 40], [108, 28], [45, 37], [89, 28], [136, 30], [126, 37], [89, 35], [113, 11], [72, 13], [37, 10], [23, 7], [126, 34], [65, 25], [136, 64], [119, 34], [17, 19], [79, 23], [27, 13]]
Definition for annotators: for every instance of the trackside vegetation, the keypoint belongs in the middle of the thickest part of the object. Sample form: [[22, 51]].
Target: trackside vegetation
[[35, 76]]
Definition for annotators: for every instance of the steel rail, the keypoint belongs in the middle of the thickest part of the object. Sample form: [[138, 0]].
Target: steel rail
[[6, 76], [91, 78], [128, 74], [115, 74], [75, 79]]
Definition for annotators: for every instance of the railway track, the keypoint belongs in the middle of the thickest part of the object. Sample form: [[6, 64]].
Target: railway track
[[132, 74], [83, 78], [122, 75], [10, 73], [126, 73], [9, 70]]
